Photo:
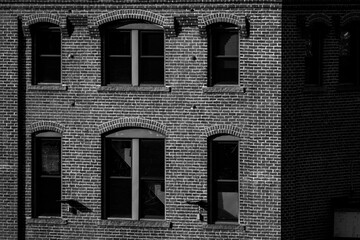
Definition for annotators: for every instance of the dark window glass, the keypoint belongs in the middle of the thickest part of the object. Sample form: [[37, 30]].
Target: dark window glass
[[152, 193], [223, 181], [47, 54], [118, 166], [224, 56], [47, 177]]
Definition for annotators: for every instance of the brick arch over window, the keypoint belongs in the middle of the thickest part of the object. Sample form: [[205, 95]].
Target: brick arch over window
[[44, 18], [205, 21], [223, 129], [135, 14], [318, 18], [47, 126], [349, 18], [132, 122]]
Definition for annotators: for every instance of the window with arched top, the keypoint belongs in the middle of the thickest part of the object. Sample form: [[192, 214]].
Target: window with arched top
[[223, 60], [46, 172], [133, 53], [46, 48], [223, 182], [133, 174]]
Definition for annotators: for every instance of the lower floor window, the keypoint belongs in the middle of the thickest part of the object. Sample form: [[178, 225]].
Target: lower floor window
[[46, 174], [223, 179], [133, 181]]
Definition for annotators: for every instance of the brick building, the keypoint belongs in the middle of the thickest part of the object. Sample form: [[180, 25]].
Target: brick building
[[184, 119]]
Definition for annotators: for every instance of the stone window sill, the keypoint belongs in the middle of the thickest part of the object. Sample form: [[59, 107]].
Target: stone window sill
[[47, 220], [117, 88], [135, 223], [348, 88], [47, 87], [225, 89], [314, 89], [224, 226]]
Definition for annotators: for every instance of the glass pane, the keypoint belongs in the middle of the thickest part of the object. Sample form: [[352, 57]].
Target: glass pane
[[225, 71], [119, 198], [48, 69], [48, 196], [152, 44], [225, 43], [118, 157], [118, 70], [50, 156], [225, 157], [119, 43], [48, 42], [152, 199], [228, 202], [152, 158], [151, 71]]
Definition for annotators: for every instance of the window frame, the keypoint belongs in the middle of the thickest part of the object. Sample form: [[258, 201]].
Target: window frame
[[214, 30], [212, 181], [36, 31], [38, 176], [135, 28], [135, 136]]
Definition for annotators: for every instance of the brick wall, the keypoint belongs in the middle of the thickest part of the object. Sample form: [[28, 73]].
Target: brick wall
[[185, 110]]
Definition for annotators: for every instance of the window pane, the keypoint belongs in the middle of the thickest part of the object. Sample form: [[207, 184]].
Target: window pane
[[48, 196], [118, 157], [119, 198], [151, 71], [225, 43], [48, 69], [119, 43], [48, 42], [152, 158], [227, 201], [225, 71], [152, 199], [225, 155], [50, 156], [118, 70], [152, 44]]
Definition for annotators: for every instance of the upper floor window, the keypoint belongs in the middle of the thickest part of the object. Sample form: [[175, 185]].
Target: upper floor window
[[46, 174], [133, 167], [46, 53], [350, 55], [314, 58], [133, 54], [223, 181], [223, 54]]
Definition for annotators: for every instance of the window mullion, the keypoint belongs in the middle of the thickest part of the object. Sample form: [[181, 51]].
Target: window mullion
[[135, 179], [135, 57]]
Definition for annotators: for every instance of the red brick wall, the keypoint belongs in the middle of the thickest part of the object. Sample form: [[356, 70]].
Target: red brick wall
[[189, 113]]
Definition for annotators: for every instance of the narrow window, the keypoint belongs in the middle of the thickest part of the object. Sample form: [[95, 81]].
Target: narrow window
[[47, 174], [223, 54], [350, 59], [133, 54], [134, 166], [46, 54], [223, 179], [314, 59]]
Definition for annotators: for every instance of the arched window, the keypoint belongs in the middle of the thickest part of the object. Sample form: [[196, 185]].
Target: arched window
[[46, 169], [223, 62], [223, 183], [133, 53], [46, 39], [133, 170]]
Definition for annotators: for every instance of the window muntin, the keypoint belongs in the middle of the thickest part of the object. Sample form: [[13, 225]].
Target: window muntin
[[134, 165], [47, 174], [134, 54], [46, 54], [223, 55], [223, 180]]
